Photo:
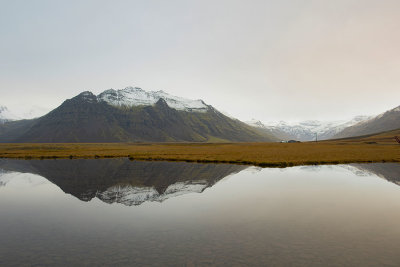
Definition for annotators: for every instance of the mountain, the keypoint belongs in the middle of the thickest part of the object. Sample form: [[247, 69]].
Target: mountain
[[275, 131], [6, 115], [389, 120], [131, 115], [307, 130], [121, 180]]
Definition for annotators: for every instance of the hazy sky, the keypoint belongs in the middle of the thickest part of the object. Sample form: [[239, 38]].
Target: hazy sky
[[270, 60]]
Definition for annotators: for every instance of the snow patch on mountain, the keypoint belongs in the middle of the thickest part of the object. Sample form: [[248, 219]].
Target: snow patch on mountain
[[135, 96], [6, 115], [21, 113], [256, 123], [396, 109], [33, 112]]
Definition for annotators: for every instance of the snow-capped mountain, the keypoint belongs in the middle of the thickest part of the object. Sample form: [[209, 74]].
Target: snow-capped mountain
[[308, 130], [135, 96], [6, 115], [129, 96], [156, 117]]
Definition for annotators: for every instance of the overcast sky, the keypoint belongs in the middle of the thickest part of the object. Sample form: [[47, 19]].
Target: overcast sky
[[270, 60]]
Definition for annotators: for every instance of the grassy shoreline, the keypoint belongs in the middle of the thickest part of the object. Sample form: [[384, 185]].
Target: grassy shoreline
[[259, 154]]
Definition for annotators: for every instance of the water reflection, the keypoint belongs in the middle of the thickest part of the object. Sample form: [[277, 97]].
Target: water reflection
[[388, 171], [344, 215], [121, 180]]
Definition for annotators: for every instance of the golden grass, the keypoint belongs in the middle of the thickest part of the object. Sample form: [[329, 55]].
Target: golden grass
[[380, 138], [261, 154]]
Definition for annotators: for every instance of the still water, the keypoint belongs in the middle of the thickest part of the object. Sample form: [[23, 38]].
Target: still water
[[125, 213]]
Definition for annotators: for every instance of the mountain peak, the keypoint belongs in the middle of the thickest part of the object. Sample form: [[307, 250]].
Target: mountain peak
[[131, 88], [136, 96], [161, 101], [87, 96]]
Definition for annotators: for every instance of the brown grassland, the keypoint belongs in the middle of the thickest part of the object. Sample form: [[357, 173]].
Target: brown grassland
[[374, 148]]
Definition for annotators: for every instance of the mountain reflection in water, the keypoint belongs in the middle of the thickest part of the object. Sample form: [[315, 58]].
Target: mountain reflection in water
[[134, 182], [388, 171], [124, 181], [342, 215]]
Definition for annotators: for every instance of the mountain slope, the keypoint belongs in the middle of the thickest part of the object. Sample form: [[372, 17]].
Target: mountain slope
[[90, 118], [389, 120]]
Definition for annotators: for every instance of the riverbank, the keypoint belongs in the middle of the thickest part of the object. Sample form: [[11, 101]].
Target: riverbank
[[260, 154]]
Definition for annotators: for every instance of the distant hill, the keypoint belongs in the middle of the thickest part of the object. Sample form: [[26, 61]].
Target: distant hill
[[131, 115], [306, 130], [275, 131], [389, 120]]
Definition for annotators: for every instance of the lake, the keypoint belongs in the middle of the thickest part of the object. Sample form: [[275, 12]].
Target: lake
[[101, 212]]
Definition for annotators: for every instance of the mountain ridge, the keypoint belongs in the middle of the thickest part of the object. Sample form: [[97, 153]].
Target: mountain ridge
[[89, 118], [136, 96], [386, 121]]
